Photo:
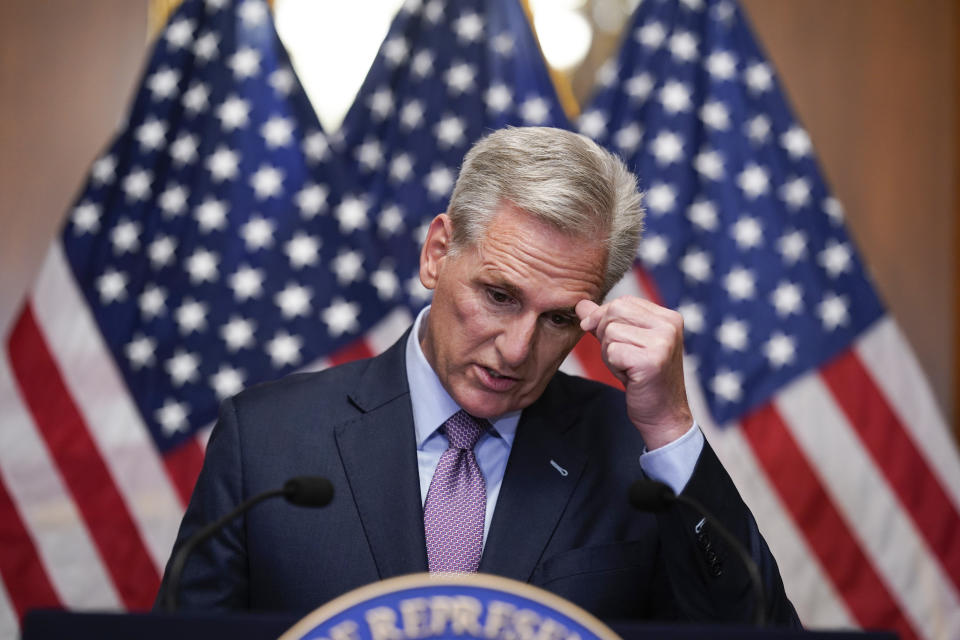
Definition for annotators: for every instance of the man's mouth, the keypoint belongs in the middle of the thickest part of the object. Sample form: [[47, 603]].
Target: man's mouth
[[494, 380]]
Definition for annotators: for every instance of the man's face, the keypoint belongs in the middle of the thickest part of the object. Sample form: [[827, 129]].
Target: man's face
[[503, 315]]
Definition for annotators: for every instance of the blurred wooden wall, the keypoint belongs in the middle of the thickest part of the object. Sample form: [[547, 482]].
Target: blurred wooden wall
[[874, 81]]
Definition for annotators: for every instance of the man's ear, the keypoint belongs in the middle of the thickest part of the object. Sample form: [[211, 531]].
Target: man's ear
[[435, 249]]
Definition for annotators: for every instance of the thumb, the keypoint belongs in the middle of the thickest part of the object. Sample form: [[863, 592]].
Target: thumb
[[585, 309]]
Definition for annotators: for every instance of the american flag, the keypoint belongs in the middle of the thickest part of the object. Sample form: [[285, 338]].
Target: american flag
[[802, 381], [224, 238]]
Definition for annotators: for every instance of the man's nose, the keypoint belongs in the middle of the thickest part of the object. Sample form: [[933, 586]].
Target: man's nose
[[516, 340]]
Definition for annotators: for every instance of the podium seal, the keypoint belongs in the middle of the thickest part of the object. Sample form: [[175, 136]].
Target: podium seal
[[426, 606]]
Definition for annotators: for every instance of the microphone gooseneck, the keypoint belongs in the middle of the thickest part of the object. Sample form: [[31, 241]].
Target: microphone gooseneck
[[656, 497], [304, 491]]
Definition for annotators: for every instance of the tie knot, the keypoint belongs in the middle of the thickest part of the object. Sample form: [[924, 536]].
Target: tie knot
[[463, 430]]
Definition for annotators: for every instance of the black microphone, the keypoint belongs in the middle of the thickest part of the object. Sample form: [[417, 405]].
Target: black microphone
[[656, 497], [304, 491]]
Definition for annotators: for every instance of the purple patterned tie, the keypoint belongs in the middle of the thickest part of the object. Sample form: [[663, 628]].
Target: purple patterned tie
[[457, 500]]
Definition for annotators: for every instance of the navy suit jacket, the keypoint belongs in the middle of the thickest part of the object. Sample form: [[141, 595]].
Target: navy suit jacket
[[571, 533]]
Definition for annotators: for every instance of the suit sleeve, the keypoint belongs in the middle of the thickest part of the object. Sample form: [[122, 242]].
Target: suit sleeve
[[707, 578], [215, 576]]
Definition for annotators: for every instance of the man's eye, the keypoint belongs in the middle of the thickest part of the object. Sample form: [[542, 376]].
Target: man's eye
[[560, 320], [498, 296]]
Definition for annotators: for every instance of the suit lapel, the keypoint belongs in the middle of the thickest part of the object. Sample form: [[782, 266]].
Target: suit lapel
[[379, 455], [534, 492]]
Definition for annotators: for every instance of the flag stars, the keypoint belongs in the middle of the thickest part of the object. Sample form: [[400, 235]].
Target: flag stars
[[422, 64], [341, 317], [140, 351], [439, 182], [277, 132], [206, 47], [282, 80], [293, 301], [182, 367], [253, 12], [836, 258], [796, 193], [401, 168], [675, 97], [246, 283], [433, 11], [352, 214], [661, 198], [86, 217], [284, 349], [257, 233], [238, 334], [792, 246], [683, 46], [535, 111], [348, 266], [381, 103], [137, 184], [179, 34], [227, 381], [311, 200], [780, 350], [173, 200], [722, 65], [639, 87], [741, 284], [703, 214], [469, 28], [787, 299], [606, 74], [390, 221], [833, 311], [196, 98], [450, 132], [651, 35], [385, 281], [797, 143], [498, 98], [103, 170], [411, 116], [593, 124], [172, 417], [223, 164], [695, 265], [715, 115], [754, 181], [395, 51], [628, 138], [370, 154], [727, 385], [184, 149], [759, 77], [709, 164], [112, 286], [267, 182], [161, 251], [417, 292], [732, 334], [152, 301], [302, 250], [163, 83], [315, 146], [234, 113], [202, 266], [654, 250], [211, 215], [833, 209], [694, 320], [747, 232], [125, 237], [667, 148], [459, 78], [503, 44], [191, 316], [758, 129]]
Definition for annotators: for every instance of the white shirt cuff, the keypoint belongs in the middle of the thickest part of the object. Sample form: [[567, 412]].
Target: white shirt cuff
[[673, 463]]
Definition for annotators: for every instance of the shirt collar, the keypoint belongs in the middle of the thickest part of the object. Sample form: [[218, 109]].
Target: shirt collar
[[432, 405]]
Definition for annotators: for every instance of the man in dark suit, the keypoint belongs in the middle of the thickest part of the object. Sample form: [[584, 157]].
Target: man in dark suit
[[541, 224]]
